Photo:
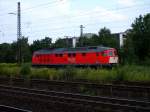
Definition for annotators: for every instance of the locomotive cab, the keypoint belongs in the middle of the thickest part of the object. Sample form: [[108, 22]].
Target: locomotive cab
[[113, 57]]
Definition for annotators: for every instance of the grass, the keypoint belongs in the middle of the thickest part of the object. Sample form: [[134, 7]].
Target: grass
[[129, 73]]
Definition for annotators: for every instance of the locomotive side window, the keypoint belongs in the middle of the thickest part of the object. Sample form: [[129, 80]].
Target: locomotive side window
[[83, 54], [69, 55], [104, 54], [60, 55], [97, 54], [74, 55], [35, 55], [110, 53], [56, 55]]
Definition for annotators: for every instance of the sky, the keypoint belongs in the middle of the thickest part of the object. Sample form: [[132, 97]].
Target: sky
[[60, 18]]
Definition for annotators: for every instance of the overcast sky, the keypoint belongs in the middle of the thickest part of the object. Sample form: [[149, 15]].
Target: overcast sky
[[59, 18]]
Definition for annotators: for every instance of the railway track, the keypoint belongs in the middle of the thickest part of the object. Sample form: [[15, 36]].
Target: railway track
[[5, 108], [111, 90], [70, 101]]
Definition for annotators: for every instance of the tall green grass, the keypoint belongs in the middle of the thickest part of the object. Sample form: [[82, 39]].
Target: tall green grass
[[121, 73], [10, 71]]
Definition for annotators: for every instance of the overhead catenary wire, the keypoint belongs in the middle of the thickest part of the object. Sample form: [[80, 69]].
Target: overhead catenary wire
[[88, 14], [91, 12], [68, 28], [30, 8]]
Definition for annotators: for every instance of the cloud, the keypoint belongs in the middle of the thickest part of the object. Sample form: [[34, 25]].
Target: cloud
[[126, 2], [96, 15], [63, 6], [108, 15]]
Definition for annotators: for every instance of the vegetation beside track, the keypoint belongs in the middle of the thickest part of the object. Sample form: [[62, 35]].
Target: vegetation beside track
[[129, 73]]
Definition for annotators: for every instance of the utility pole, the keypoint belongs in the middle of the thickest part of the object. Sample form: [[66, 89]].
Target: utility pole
[[19, 33], [81, 34], [81, 30]]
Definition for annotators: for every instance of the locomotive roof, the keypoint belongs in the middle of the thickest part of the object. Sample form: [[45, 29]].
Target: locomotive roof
[[71, 50]]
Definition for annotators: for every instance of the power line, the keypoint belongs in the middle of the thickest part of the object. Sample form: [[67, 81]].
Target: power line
[[33, 7], [102, 14], [68, 27], [41, 5], [113, 9]]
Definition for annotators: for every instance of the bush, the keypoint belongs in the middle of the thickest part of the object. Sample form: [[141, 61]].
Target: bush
[[9, 71], [67, 73], [44, 73], [121, 73], [9, 65], [25, 70]]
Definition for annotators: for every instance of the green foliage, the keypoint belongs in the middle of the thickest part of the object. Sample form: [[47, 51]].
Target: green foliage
[[43, 73], [40, 44], [6, 53], [107, 39], [84, 41], [137, 73], [121, 73], [138, 42], [67, 73], [25, 70], [9, 52], [62, 43], [9, 65], [25, 49], [9, 71]]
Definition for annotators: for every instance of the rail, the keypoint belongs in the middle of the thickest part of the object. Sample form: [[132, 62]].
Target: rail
[[63, 100], [113, 90], [5, 108]]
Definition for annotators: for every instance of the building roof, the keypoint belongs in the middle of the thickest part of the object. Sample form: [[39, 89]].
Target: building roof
[[71, 50]]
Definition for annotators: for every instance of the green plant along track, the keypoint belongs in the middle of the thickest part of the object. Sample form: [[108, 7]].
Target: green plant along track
[[128, 73]]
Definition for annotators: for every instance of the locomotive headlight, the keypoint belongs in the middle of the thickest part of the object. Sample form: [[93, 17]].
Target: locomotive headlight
[[113, 60]]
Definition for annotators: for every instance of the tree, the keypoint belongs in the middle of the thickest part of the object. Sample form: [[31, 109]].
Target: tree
[[84, 41], [6, 54], [104, 33], [39, 44], [88, 41], [106, 38], [25, 49], [126, 53], [61, 43], [95, 40], [139, 37]]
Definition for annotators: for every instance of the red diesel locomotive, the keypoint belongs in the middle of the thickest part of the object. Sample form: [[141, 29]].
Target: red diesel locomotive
[[82, 56]]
